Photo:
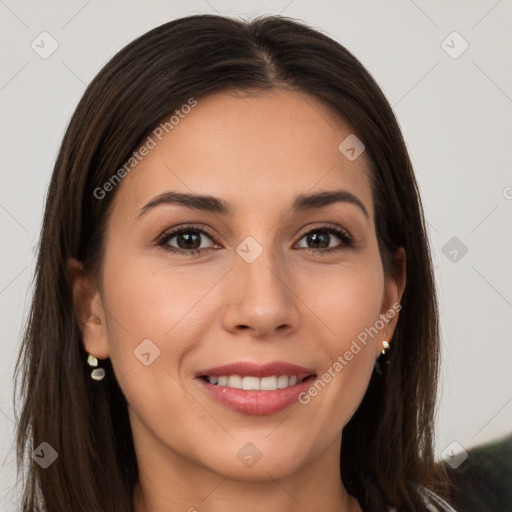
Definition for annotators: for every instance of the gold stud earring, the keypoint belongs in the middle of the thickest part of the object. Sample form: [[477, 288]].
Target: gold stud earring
[[377, 365]]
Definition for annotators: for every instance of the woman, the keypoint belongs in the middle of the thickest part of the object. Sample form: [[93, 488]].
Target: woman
[[234, 302]]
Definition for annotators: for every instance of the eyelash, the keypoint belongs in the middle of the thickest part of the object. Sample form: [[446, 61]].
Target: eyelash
[[346, 240]]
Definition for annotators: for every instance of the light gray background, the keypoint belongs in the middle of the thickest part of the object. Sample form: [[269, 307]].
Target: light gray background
[[455, 113]]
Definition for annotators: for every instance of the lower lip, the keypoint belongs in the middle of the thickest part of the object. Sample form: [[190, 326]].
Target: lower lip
[[258, 403]]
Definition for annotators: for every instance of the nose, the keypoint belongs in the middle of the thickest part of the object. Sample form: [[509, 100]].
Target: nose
[[260, 298]]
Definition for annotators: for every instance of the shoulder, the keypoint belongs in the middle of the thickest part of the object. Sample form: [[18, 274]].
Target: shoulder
[[433, 502]]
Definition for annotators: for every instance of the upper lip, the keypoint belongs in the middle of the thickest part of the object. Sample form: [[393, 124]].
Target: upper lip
[[244, 369]]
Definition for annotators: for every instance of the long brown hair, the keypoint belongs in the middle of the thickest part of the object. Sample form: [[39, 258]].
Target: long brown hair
[[387, 447]]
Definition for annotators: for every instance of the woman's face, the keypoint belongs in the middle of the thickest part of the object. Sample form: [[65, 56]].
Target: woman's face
[[273, 285]]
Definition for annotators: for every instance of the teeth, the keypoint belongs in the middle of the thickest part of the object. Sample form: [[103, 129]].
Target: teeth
[[268, 383], [282, 382], [249, 383], [254, 383], [235, 381]]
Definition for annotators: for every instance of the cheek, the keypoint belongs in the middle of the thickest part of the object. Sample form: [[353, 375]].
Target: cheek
[[147, 300], [346, 301], [155, 316], [348, 310], [149, 317]]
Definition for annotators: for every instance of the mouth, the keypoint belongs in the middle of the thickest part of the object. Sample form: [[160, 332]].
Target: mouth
[[256, 389]]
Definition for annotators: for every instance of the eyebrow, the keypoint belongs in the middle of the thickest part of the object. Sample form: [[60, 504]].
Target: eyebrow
[[302, 202]]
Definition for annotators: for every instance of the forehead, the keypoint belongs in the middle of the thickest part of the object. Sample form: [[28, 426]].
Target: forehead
[[251, 149]]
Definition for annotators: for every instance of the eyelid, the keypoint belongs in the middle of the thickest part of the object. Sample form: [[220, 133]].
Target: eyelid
[[326, 226], [175, 230]]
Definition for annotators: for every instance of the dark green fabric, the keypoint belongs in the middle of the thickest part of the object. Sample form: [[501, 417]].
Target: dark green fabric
[[483, 482]]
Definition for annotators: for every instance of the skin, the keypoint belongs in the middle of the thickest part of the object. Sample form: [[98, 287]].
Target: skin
[[258, 152]]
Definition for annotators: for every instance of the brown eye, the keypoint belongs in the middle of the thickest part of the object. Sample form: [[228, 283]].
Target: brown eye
[[186, 241], [323, 239]]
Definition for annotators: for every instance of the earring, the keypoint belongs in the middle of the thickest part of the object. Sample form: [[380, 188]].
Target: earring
[[98, 373], [381, 359]]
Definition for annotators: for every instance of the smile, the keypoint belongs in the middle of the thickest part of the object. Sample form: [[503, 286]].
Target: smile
[[256, 389]]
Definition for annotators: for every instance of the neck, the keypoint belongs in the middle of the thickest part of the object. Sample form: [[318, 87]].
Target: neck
[[174, 484], [250, 498]]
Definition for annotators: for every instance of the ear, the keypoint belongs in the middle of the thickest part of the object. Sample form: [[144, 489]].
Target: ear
[[394, 287], [89, 310]]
